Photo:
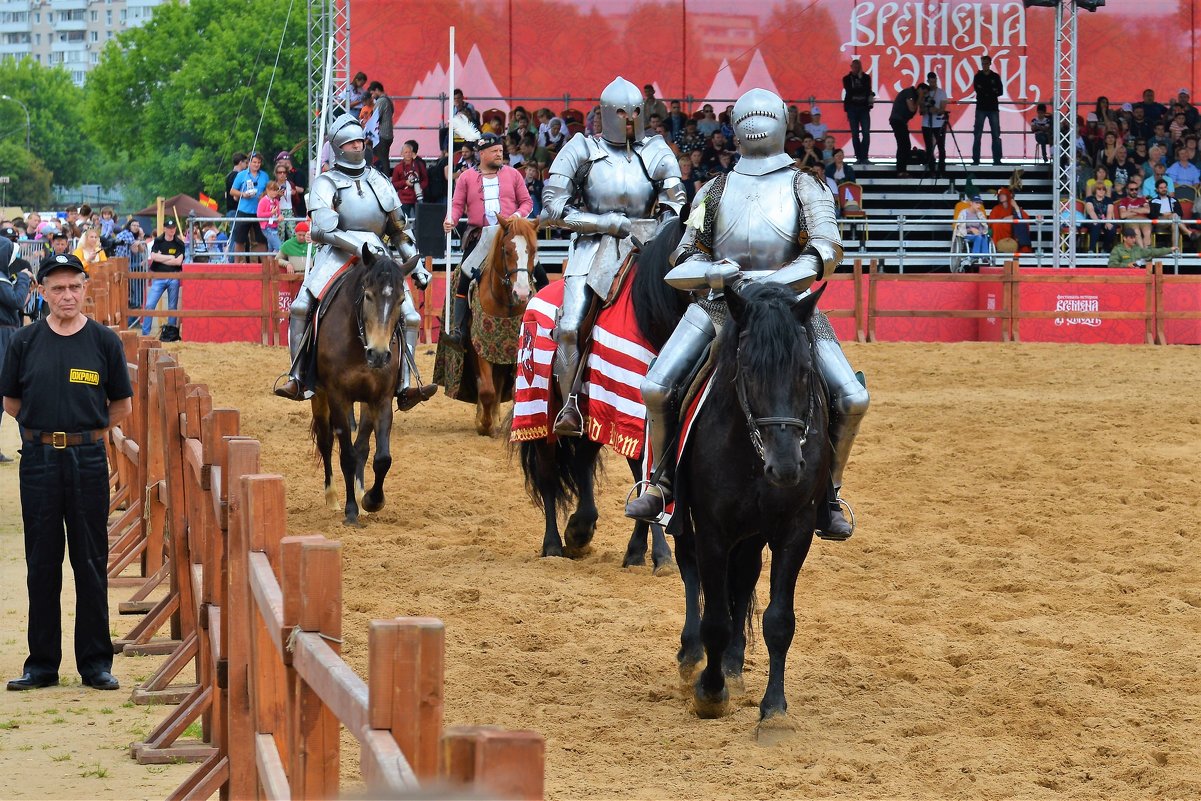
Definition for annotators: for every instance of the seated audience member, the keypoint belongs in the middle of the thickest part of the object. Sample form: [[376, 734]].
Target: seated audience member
[[1100, 176], [972, 229], [1128, 253], [1122, 167], [533, 184], [1159, 138], [1158, 172], [1134, 206], [686, 178], [1183, 171], [815, 127], [819, 172], [828, 148], [691, 139], [838, 169], [1103, 227], [556, 136], [807, 156], [726, 118], [1165, 209], [532, 154], [675, 121], [1009, 235], [297, 249], [725, 162], [717, 145], [519, 122], [700, 171], [708, 123]]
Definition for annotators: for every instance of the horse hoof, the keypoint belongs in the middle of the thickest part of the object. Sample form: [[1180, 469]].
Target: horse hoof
[[710, 708], [667, 568], [331, 498], [373, 503], [776, 728], [556, 550], [579, 532], [634, 560]]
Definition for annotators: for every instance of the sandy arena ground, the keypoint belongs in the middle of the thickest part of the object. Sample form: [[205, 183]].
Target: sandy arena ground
[[1017, 616]]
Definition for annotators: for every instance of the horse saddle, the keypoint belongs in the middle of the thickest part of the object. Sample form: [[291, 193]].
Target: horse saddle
[[306, 354]]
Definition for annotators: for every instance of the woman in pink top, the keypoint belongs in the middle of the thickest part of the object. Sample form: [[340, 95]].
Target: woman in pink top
[[269, 209]]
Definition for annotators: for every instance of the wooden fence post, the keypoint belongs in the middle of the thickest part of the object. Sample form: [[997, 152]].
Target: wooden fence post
[[500, 763], [405, 681]]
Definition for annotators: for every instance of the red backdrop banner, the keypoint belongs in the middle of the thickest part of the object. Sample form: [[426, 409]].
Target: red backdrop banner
[[552, 53]]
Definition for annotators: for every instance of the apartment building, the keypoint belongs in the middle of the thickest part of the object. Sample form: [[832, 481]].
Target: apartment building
[[67, 33]]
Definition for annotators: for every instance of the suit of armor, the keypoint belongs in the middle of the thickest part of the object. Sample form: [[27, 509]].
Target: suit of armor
[[351, 205], [604, 188], [765, 221]]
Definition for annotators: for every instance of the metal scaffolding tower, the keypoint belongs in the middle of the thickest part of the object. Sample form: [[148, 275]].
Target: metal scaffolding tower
[[327, 20], [1063, 152]]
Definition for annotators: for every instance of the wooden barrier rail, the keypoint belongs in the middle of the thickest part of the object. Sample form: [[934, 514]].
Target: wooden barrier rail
[[110, 280], [257, 615]]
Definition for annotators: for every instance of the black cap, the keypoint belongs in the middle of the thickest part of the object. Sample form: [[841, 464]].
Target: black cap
[[488, 140], [169, 223], [62, 261], [10, 232]]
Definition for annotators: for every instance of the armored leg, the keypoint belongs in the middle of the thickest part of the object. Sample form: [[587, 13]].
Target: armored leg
[[848, 404], [406, 396], [576, 298], [298, 322], [676, 362]]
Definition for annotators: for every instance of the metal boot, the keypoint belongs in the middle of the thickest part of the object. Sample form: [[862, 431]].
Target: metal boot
[[298, 322], [407, 397]]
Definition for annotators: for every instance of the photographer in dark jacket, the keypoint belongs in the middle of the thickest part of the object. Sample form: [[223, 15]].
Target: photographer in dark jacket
[[988, 88]]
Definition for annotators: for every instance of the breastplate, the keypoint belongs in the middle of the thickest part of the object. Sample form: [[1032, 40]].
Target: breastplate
[[758, 221], [358, 209], [615, 184]]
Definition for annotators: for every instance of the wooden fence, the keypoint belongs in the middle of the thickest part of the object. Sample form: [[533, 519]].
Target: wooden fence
[[252, 621]]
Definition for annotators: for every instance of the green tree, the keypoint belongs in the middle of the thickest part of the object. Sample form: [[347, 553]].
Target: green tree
[[29, 180], [60, 150], [174, 99]]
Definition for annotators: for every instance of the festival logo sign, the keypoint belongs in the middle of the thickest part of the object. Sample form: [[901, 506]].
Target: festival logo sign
[[1078, 303]]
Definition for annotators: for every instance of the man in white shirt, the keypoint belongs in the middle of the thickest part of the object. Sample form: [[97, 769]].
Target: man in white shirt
[[934, 125]]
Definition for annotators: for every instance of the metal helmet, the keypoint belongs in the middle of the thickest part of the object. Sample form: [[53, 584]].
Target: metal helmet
[[343, 130], [621, 95], [760, 124]]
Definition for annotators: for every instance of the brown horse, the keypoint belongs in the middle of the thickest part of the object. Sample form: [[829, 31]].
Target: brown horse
[[504, 290], [358, 355]]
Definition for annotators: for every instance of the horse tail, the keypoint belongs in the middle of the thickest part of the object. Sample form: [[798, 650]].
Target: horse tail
[[658, 306], [548, 469]]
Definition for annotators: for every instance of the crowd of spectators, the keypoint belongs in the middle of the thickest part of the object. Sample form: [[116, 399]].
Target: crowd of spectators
[[1138, 168]]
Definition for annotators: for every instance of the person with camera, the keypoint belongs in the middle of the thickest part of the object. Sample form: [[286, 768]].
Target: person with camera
[[249, 186], [410, 178], [904, 108], [857, 101], [15, 279], [65, 381], [934, 126]]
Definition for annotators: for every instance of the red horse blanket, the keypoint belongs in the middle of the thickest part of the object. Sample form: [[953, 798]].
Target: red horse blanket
[[617, 362]]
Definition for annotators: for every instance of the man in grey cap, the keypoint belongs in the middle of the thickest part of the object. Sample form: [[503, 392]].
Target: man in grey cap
[[65, 381]]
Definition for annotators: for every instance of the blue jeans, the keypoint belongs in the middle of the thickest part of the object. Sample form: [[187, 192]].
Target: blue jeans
[[860, 120], [977, 242], [157, 286], [272, 235], [994, 126]]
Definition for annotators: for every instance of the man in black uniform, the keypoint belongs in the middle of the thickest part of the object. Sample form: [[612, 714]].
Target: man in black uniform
[[65, 381], [166, 256]]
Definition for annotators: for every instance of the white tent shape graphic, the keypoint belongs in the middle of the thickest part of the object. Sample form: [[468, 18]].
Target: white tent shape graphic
[[725, 89], [471, 76]]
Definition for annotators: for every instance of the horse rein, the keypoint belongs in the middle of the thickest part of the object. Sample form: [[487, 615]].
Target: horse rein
[[756, 424]]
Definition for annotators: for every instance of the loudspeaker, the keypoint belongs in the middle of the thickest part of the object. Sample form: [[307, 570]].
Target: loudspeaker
[[427, 230]]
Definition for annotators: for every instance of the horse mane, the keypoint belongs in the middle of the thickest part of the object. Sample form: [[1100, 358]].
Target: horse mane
[[776, 344], [657, 305]]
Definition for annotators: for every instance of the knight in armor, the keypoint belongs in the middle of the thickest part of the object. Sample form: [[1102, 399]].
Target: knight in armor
[[351, 205], [765, 221], [604, 188]]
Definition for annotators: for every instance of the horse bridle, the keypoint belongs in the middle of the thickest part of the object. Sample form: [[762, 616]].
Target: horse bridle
[[507, 282], [756, 424]]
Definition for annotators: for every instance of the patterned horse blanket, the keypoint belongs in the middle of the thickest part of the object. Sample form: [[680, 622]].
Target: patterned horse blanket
[[494, 338]]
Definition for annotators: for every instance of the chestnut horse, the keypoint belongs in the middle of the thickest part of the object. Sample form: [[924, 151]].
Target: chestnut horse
[[358, 353], [503, 291]]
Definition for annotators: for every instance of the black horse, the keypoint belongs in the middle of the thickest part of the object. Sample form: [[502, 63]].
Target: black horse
[[558, 473], [755, 478]]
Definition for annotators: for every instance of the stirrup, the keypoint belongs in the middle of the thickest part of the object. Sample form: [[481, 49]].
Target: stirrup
[[836, 505], [644, 489], [565, 427], [280, 389]]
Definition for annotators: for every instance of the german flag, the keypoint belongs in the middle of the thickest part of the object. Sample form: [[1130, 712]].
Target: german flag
[[208, 201]]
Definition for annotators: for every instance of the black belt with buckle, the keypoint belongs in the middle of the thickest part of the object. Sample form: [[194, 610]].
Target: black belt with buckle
[[62, 439]]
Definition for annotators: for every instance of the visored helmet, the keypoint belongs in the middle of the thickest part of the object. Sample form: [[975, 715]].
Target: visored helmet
[[760, 123], [342, 131], [620, 95]]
